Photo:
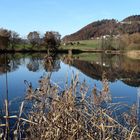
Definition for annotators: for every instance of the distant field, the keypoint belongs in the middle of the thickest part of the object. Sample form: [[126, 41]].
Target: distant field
[[83, 45], [132, 43]]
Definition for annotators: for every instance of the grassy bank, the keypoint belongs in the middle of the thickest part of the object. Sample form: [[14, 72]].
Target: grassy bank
[[96, 45], [85, 45], [134, 54], [121, 42]]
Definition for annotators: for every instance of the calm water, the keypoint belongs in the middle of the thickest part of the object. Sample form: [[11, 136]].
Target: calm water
[[123, 74]]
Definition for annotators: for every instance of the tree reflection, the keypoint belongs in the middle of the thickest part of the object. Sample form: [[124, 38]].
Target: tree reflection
[[51, 63], [33, 65], [14, 62], [115, 66], [4, 64], [8, 63], [35, 62]]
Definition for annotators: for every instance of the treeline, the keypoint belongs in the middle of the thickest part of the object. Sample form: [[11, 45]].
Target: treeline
[[132, 18], [106, 27], [94, 29], [11, 39]]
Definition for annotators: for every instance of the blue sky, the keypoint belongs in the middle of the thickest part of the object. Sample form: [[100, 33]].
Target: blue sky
[[65, 16]]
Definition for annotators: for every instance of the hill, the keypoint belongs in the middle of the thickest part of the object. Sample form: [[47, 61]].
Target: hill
[[132, 18], [106, 27]]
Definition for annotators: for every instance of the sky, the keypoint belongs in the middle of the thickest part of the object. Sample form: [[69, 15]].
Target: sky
[[64, 16]]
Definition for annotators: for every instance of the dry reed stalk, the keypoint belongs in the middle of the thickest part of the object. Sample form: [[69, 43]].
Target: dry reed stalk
[[70, 114], [7, 120]]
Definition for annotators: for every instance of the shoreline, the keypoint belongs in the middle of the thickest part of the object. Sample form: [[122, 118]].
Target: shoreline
[[73, 51], [133, 54]]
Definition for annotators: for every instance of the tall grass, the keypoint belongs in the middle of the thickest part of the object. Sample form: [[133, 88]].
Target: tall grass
[[70, 114]]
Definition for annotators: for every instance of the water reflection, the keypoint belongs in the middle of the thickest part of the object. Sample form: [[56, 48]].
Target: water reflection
[[4, 64], [33, 62], [51, 63], [117, 67], [123, 73], [33, 65]]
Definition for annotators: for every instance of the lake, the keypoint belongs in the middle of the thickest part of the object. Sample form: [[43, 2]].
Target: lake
[[122, 72]]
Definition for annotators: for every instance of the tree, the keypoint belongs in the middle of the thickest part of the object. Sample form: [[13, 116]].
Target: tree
[[34, 38], [52, 40], [14, 38], [4, 38], [57, 38]]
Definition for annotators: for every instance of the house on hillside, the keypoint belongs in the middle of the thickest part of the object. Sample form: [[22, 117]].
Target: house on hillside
[[105, 36]]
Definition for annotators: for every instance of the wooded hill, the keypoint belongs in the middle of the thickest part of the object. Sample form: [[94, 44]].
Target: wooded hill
[[103, 27]]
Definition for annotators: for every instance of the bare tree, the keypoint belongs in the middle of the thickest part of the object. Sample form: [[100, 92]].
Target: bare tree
[[52, 40], [14, 38], [34, 38], [4, 38]]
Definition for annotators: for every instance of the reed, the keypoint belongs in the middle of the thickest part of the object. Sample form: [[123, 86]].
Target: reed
[[71, 114]]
